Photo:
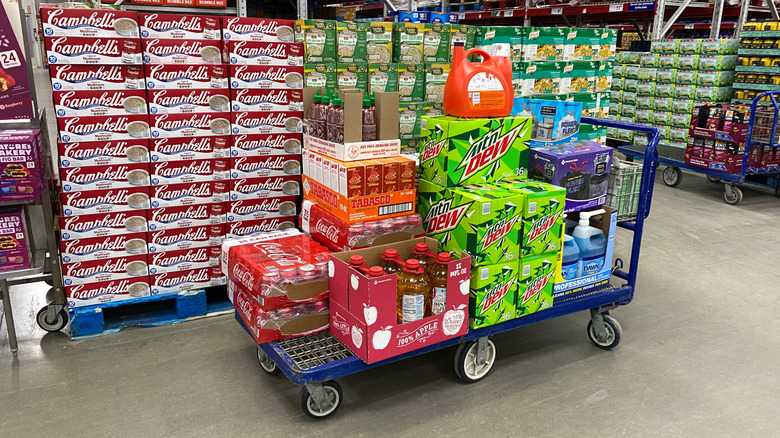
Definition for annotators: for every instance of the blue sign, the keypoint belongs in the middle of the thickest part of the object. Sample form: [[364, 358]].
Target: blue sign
[[641, 6]]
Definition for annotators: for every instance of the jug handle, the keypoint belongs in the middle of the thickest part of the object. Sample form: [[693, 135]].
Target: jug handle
[[477, 51]]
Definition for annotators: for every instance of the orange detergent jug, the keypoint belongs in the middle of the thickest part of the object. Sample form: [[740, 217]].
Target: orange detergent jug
[[478, 89]]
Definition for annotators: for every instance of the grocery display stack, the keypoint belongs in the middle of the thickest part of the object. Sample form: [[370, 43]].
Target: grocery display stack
[[758, 67]]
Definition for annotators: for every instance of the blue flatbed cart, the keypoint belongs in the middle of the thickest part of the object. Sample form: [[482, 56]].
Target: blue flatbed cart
[[762, 132], [315, 361]]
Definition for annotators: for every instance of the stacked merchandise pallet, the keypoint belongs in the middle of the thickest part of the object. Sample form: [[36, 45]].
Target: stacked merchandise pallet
[[758, 67], [662, 87]]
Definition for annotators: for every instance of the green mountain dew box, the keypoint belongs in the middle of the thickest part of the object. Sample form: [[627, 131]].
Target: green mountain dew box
[[493, 294], [535, 285], [473, 151], [542, 212], [485, 222]]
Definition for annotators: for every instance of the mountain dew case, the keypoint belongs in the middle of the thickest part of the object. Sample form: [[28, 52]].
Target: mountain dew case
[[535, 283], [459, 152], [485, 222], [493, 294], [542, 220]]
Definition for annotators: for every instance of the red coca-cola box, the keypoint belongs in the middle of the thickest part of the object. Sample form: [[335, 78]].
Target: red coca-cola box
[[265, 166], [190, 51], [103, 153], [170, 76], [108, 128], [176, 172], [281, 122], [287, 322], [265, 144], [266, 77], [135, 199], [180, 27], [105, 270], [189, 148], [258, 29], [113, 176], [269, 187], [190, 125], [264, 53], [175, 239], [183, 260], [266, 100], [364, 311], [101, 248], [96, 77], [186, 216], [82, 103], [89, 294], [183, 194], [86, 50], [188, 101], [241, 229], [91, 23], [102, 225], [243, 210], [175, 282]]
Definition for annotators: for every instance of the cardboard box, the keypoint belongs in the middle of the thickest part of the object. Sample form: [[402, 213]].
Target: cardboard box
[[463, 33], [267, 326], [104, 177], [189, 171], [411, 82], [264, 53], [265, 144], [542, 216], [379, 42], [96, 77], [493, 294], [257, 122], [359, 208], [579, 77], [540, 78], [14, 247], [175, 239], [104, 201], [255, 227], [107, 291], [544, 44], [351, 41], [265, 166], [410, 120], [99, 103], [436, 43], [475, 151], [554, 122], [175, 282], [267, 100], [23, 174], [186, 216], [364, 311], [258, 29], [321, 76], [177, 101], [363, 177], [103, 153], [408, 42], [350, 76], [253, 209], [119, 268], [318, 38], [382, 78], [535, 283], [172, 76], [180, 27], [184, 260], [90, 23], [191, 51], [209, 124], [103, 128], [435, 78], [582, 44], [102, 225], [192, 193], [101, 248], [189, 148]]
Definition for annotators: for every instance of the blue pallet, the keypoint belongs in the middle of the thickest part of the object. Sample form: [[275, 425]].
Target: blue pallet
[[150, 311]]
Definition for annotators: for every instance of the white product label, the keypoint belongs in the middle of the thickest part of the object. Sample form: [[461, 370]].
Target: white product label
[[484, 82], [412, 308], [439, 300]]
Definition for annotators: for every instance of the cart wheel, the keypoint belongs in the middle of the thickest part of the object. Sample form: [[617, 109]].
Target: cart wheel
[[672, 176], [268, 365], [734, 196], [614, 333], [466, 366], [714, 179], [777, 190], [58, 324], [332, 391]]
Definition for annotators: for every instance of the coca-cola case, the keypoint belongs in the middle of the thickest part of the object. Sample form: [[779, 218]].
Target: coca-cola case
[[183, 260], [258, 29], [281, 322], [269, 187], [172, 76], [91, 23], [72, 103], [281, 122], [108, 128], [265, 144], [135, 199], [186, 216], [180, 27], [265, 166], [175, 239], [102, 292], [96, 77], [115, 176], [178, 172], [241, 229], [187, 51], [266, 77], [179, 281], [264, 53], [189, 148], [101, 248], [184, 194], [188, 101], [103, 153], [102, 225], [267, 100], [249, 209], [105, 270], [190, 125], [86, 51]]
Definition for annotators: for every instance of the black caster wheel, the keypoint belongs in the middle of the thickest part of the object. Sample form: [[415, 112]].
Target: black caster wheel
[[733, 197], [672, 176], [614, 333], [713, 179], [333, 394], [466, 366], [58, 324], [268, 365]]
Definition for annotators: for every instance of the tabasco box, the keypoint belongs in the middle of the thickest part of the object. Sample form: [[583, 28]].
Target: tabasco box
[[267, 187], [99, 153], [91, 23], [85, 50], [101, 225], [264, 53], [258, 29], [180, 27], [265, 144], [268, 100], [105, 270], [189, 148], [103, 128], [186, 216], [171, 76], [183, 260], [104, 177], [104, 201], [266, 76], [193, 193], [73, 103], [359, 208], [173, 101], [96, 77], [190, 51]]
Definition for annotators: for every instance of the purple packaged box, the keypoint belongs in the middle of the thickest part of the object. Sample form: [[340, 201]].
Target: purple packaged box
[[581, 167], [14, 251], [15, 98], [21, 172]]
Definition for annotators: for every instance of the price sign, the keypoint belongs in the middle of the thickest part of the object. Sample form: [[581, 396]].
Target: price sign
[[689, 26], [557, 11], [616, 7], [509, 13]]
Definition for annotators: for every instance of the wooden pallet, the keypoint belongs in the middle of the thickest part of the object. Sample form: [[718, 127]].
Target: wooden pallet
[[148, 312]]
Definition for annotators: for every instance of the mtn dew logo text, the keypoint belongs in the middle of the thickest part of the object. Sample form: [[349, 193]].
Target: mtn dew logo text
[[461, 152], [496, 294], [498, 231], [443, 217], [535, 286], [542, 227], [493, 294]]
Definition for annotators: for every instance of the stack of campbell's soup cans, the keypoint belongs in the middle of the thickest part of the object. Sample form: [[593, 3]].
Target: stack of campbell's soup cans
[[165, 151]]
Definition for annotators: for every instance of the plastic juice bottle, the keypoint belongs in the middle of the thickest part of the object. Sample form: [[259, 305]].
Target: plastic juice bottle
[[324, 111], [439, 283], [376, 271], [336, 122], [422, 253], [571, 259], [414, 293], [358, 263], [478, 89], [592, 244], [369, 120], [391, 262]]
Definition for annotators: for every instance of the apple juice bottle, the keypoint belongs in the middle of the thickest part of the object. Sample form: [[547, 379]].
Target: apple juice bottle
[[414, 293]]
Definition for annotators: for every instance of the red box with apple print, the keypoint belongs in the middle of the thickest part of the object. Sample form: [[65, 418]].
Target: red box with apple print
[[363, 310]]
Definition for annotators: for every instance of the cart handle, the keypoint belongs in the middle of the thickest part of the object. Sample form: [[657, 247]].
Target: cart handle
[[749, 139]]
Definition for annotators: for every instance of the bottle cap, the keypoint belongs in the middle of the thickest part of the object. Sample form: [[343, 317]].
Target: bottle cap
[[317, 97], [373, 97], [376, 271], [366, 100], [421, 247], [356, 260], [444, 257], [390, 253], [325, 97], [412, 264], [337, 101]]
